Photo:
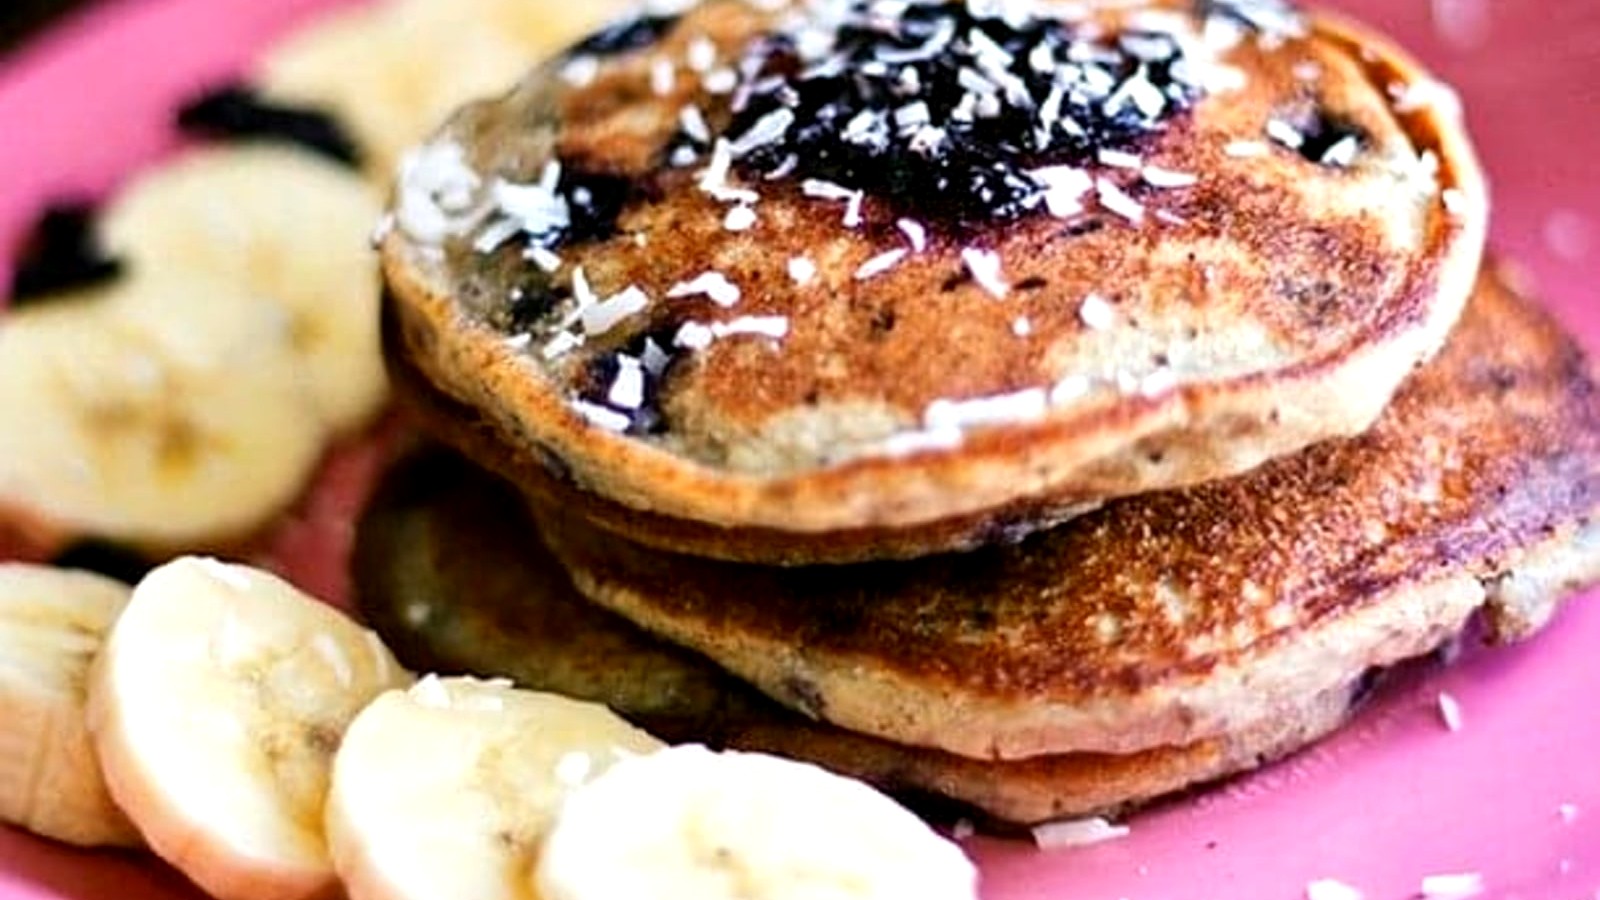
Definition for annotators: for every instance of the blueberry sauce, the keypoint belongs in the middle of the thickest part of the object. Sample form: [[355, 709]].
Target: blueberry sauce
[[630, 380], [236, 111], [1330, 141], [595, 200], [625, 36], [946, 113]]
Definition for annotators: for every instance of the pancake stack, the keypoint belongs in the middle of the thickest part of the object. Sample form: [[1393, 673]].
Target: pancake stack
[[1040, 406]]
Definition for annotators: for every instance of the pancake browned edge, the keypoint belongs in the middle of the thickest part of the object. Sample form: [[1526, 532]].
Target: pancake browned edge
[[1168, 619], [449, 572], [1277, 301]]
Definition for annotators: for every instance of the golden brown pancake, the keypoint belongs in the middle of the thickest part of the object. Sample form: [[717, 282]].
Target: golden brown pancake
[[907, 273], [445, 570], [1169, 619]]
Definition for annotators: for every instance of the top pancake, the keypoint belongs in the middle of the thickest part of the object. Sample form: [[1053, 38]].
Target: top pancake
[[1171, 618], [1229, 232]]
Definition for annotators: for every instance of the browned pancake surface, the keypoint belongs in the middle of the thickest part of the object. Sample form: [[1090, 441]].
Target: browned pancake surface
[[1276, 301], [1170, 618], [446, 571]]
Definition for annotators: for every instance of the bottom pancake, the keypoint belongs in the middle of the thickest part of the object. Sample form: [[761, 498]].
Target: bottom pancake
[[449, 571], [1172, 619]]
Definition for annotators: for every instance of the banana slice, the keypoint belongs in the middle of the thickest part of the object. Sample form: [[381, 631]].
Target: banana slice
[[448, 790], [166, 413], [285, 225], [216, 708], [538, 28], [392, 77], [393, 72], [52, 623], [689, 823]]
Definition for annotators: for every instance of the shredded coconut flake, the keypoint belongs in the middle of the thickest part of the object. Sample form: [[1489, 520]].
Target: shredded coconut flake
[[693, 122], [1064, 189], [713, 285], [1022, 326], [1450, 712], [776, 327], [580, 71], [985, 267], [714, 177], [1118, 201], [915, 233], [1155, 176], [1331, 889], [438, 194], [602, 417], [702, 55], [1285, 134], [694, 336], [563, 343], [1410, 97], [1004, 409], [1119, 159], [802, 270], [769, 129], [627, 391], [914, 442], [547, 261], [1159, 382], [721, 81], [740, 218], [1078, 833], [881, 263], [1070, 389], [663, 77], [1246, 149], [1096, 313], [1452, 887], [605, 315]]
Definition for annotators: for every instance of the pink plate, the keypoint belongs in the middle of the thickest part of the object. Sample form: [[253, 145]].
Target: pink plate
[[1515, 795]]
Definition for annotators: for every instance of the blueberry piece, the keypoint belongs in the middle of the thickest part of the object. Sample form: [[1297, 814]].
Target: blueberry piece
[[236, 111], [625, 36], [105, 558], [61, 253]]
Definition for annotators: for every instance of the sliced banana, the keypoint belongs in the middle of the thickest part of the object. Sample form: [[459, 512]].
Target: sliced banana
[[394, 72], [283, 224], [447, 790], [392, 77], [216, 708], [165, 413], [692, 824], [52, 623], [538, 28]]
